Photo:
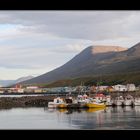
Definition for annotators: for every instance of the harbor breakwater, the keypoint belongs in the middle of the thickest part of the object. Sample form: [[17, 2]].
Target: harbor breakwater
[[42, 100], [25, 101]]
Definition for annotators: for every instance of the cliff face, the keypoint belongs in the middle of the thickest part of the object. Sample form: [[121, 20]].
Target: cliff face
[[95, 60], [106, 49]]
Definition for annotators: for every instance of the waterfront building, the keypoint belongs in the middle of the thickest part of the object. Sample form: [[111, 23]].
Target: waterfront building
[[120, 87], [31, 87], [110, 89], [93, 88], [38, 90], [131, 87], [102, 88]]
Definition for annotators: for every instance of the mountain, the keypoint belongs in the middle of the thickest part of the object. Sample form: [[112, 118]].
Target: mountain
[[4, 83], [23, 79], [95, 61]]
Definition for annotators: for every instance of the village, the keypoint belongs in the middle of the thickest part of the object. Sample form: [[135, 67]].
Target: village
[[77, 89]]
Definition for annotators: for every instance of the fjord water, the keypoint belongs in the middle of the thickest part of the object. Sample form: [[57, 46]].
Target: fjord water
[[44, 118]]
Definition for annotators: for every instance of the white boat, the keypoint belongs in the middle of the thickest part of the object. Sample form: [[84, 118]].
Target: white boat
[[108, 100], [109, 103], [137, 102], [82, 100], [57, 102], [119, 101], [128, 101]]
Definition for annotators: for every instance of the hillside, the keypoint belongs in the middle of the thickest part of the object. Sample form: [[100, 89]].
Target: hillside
[[110, 79], [95, 61]]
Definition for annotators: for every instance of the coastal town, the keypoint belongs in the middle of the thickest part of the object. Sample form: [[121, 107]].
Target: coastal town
[[77, 89], [70, 70], [116, 95]]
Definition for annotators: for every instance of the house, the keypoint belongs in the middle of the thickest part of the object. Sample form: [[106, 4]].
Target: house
[[110, 89], [31, 87], [102, 88], [138, 88], [39, 90], [93, 88], [131, 87], [18, 86], [120, 87]]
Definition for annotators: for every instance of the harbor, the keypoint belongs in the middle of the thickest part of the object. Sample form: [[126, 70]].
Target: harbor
[[69, 100]]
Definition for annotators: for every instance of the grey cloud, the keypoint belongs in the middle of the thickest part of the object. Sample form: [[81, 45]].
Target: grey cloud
[[91, 25], [48, 39]]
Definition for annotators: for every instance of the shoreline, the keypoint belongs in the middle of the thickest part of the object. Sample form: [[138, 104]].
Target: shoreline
[[26, 101], [41, 100]]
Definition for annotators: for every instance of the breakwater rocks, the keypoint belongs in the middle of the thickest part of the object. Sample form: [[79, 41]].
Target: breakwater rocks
[[26, 101]]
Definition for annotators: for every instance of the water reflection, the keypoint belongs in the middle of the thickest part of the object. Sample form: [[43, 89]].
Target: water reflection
[[70, 111], [137, 109], [93, 118], [90, 110], [109, 118]]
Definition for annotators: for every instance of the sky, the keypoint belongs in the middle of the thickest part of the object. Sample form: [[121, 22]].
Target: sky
[[36, 42]]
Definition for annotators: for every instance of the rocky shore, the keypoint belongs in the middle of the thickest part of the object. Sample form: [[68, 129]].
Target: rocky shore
[[42, 101], [26, 101]]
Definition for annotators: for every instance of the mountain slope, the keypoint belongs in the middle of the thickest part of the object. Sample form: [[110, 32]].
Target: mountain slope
[[94, 60], [4, 83], [23, 79]]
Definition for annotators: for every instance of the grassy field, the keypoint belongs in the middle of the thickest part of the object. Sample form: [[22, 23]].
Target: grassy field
[[111, 79]]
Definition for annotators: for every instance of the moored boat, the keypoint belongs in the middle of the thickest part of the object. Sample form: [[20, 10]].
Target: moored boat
[[137, 102], [129, 100], [119, 101], [95, 105], [57, 103], [108, 100], [62, 105]]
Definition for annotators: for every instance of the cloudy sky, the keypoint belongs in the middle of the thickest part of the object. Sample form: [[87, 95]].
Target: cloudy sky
[[35, 42]]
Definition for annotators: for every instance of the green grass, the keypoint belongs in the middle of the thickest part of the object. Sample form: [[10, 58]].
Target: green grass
[[92, 80]]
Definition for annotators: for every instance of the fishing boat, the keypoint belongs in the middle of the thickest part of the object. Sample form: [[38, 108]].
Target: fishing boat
[[62, 105], [95, 104], [137, 101], [110, 103], [108, 100], [57, 103], [119, 101], [129, 100], [82, 100]]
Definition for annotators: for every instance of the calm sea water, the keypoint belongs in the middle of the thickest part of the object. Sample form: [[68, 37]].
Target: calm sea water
[[44, 118]]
